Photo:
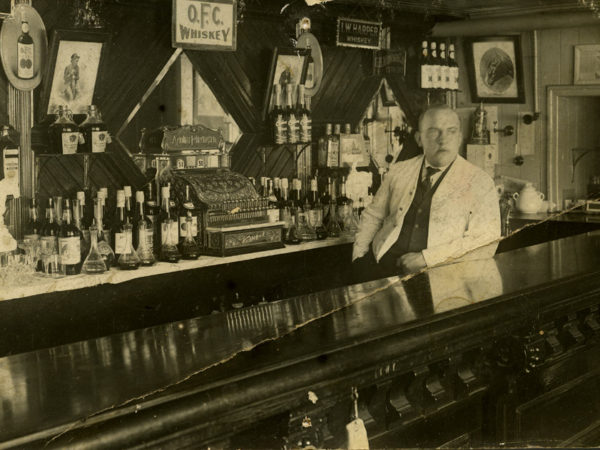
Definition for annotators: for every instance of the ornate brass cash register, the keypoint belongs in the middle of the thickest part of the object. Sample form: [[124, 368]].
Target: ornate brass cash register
[[233, 219]]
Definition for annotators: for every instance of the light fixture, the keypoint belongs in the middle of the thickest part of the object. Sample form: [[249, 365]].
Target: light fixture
[[303, 26]]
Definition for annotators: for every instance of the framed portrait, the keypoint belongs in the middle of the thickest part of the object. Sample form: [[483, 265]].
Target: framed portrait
[[495, 69], [289, 66], [587, 64], [74, 70]]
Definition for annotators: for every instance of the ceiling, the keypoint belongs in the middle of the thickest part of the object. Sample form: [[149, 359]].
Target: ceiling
[[471, 8]]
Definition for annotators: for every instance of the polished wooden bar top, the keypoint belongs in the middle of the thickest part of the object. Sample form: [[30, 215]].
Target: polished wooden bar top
[[36, 284], [46, 392]]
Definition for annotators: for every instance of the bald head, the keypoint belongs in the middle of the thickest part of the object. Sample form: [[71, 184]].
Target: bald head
[[440, 135]]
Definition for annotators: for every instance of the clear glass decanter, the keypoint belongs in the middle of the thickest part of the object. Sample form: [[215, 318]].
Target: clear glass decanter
[[94, 263]]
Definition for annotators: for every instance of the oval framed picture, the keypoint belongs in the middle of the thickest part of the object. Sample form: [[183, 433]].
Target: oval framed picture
[[24, 48]]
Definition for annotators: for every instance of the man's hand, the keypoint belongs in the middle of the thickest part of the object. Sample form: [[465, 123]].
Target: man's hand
[[411, 262]]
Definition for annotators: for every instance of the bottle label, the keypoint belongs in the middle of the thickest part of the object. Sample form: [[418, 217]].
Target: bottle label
[[169, 233], [313, 185], [333, 153], [98, 141], [280, 136], [25, 58], [11, 164], [292, 129], [49, 244], [69, 142], [183, 226], [122, 247], [446, 77], [70, 250]]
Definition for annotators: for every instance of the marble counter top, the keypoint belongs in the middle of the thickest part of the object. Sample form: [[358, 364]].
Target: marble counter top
[[38, 284]]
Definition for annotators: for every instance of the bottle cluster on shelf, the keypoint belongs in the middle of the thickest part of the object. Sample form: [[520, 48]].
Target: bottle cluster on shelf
[[328, 145], [82, 235], [306, 213], [439, 69], [291, 123], [65, 137]]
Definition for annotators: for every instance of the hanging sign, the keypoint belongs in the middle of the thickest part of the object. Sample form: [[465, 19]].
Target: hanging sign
[[358, 33], [204, 25]]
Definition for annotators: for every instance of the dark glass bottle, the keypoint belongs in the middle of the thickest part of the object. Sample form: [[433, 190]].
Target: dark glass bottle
[[51, 228], [33, 230], [168, 230], [25, 53], [128, 204], [152, 210], [106, 251], [63, 133], [94, 131], [189, 246], [69, 242], [142, 230], [187, 206], [119, 220], [296, 194], [304, 115]]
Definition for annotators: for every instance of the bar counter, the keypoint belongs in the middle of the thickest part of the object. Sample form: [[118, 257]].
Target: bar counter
[[472, 353]]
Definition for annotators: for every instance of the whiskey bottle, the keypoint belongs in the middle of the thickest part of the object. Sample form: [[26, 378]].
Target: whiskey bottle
[[277, 118], [322, 146], [444, 68], [333, 147], [304, 115], [184, 208], [33, 230], [49, 238], [106, 251], [69, 242], [453, 69], [119, 219], [143, 233], [436, 75], [169, 230], [94, 132], [84, 215], [25, 53], [63, 133], [291, 117], [128, 204], [425, 66]]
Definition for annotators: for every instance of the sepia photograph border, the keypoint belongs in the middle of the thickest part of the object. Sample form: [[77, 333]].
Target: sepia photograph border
[[476, 96], [79, 36]]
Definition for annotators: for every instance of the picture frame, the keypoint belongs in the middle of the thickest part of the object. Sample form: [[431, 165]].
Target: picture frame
[[288, 66], [75, 68], [495, 69], [586, 64]]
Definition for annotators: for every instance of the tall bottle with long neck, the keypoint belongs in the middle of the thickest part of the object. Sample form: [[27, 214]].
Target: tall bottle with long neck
[[33, 230], [152, 211], [187, 206], [129, 213], [291, 115], [278, 118], [49, 238], [119, 220], [85, 215], [143, 233], [304, 116], [69, 242], [169, 230], [108, 256]]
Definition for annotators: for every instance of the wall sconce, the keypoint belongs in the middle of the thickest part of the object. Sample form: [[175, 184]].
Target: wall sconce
[[508, 130]]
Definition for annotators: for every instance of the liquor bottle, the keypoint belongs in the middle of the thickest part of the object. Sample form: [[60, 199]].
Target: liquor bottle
[[277, 118], [326, 199], [33, 229], [291, 116], [69, 242], [94, 262], [63, 133], [168, 230], [119, 220], [184, 208], [128, 204], [9, 156], [304, 116], [49, 238], [189, 246], [25, 53], [143, 235], [106, 251], [453, 69], [296, 194], [344, 205], [84, 216], [152, 211], [322, 146], [425, 67], [78, 222], [277, 187], [107, 217], [128, 258], [333, 147], [284, 208], [94, 132], [444, 68], [333, 223], [273, 204], [435, 66]]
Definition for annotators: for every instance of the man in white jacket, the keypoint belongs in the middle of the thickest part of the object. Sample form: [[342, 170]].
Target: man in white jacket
[[430, 209]]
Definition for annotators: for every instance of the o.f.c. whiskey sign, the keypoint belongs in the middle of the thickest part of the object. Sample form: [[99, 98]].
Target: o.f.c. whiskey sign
[[206, 25]]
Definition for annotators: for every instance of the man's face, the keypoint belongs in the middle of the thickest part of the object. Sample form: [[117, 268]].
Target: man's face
[[440, 136]]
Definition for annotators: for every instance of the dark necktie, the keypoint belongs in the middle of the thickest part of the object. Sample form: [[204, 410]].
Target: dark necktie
[[429, 172]]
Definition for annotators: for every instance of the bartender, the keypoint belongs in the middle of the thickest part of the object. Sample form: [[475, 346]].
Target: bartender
[[431, 209]]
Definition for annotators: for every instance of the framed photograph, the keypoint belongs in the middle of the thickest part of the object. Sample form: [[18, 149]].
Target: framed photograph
[[74, 70], [587, 64], [289, 66], [495, 69]]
